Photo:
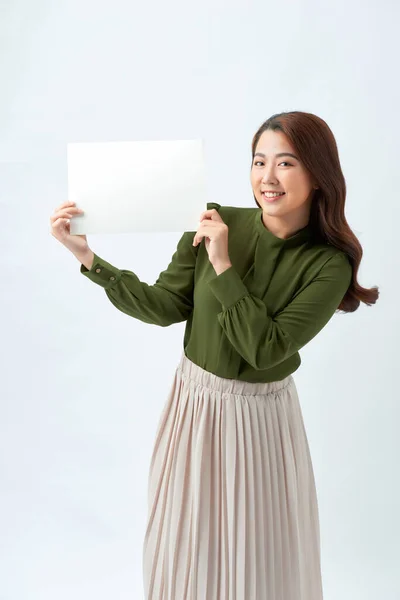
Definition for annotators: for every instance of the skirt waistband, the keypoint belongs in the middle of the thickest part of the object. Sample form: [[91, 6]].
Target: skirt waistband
[[230, 386]]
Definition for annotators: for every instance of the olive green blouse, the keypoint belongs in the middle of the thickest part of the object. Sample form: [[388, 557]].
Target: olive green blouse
[[249, 322]]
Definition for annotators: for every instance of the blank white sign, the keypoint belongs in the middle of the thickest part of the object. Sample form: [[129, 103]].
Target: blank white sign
[[143, 186]]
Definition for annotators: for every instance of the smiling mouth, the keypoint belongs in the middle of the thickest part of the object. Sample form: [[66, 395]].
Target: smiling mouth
[[273, 197]]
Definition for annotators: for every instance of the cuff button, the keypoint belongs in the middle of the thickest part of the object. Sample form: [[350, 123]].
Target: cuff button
[[112, 278], [98, 270]]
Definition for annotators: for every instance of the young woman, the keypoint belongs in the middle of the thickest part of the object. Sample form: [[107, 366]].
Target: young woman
[[233, 508]]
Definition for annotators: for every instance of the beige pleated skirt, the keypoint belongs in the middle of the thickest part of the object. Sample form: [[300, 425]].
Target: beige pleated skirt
[[232, 502]]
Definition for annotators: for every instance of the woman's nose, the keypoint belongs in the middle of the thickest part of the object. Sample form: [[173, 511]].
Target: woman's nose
[[268, 176]]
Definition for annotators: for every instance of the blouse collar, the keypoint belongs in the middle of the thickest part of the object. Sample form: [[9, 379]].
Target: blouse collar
[[302, 236]]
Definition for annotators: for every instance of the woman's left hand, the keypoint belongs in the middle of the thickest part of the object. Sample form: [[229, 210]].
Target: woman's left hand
[[213, 228]]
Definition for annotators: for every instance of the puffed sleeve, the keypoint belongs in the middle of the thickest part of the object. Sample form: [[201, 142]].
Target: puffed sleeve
[[264, 341], [169, 300]]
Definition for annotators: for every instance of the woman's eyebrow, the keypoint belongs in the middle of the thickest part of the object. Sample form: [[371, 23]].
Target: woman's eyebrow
[[277, 155]]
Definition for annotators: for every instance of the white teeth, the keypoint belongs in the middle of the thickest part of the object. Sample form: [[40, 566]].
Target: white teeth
[[272, 194]]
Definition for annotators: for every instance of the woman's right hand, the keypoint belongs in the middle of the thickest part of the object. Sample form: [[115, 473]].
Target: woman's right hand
[[60, 228]]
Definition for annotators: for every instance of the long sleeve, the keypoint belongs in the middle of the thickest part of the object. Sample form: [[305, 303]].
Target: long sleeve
[[169, 300], [264, 341]]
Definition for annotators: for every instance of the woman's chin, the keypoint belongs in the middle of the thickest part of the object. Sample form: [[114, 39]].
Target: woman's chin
[[272, 201], [271, 208]]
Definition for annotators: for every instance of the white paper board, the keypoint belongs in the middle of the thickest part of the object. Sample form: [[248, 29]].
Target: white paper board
[[143, 186]]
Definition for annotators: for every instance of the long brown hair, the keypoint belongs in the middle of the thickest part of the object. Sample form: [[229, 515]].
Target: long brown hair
[[316, 147]]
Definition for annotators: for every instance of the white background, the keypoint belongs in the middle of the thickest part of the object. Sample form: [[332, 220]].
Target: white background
[[83, 384]]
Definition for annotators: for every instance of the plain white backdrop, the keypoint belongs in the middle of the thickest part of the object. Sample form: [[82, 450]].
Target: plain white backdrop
[[82, 384]]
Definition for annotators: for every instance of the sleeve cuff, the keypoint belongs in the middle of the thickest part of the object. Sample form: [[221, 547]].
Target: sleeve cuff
[[102, 273], [228, 287]]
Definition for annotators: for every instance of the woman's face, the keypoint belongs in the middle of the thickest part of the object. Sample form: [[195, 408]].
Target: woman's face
[[272, 172]]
